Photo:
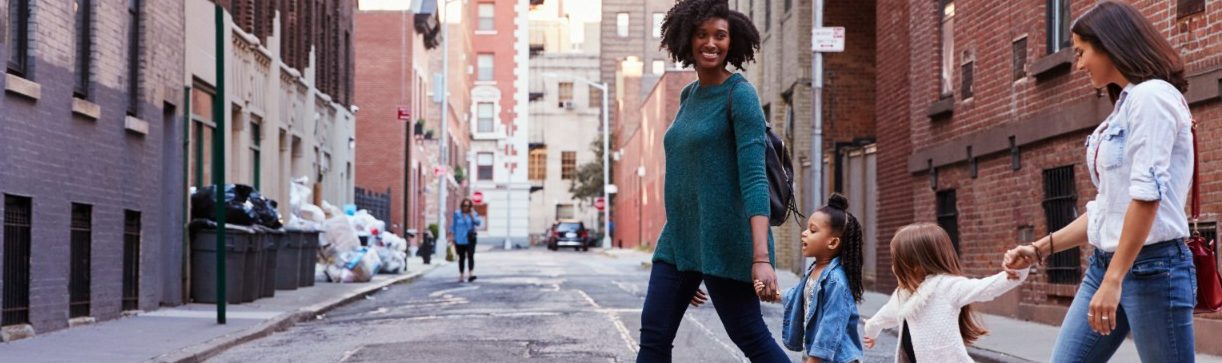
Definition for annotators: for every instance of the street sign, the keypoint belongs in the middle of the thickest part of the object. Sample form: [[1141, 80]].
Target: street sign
[[600, 203], [439, 170], [477, 197], [404, 114], [612, 189], [827, 39]]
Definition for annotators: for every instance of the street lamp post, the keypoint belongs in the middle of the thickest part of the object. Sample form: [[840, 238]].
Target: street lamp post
[[602, 86]]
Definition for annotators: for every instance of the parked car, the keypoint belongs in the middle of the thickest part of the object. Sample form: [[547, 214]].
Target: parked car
[[569, 234]]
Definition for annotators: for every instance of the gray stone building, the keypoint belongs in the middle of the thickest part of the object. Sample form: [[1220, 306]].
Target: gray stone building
[[91, 152]]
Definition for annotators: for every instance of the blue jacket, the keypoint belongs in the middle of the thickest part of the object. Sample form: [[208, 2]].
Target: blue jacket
[[461, 223], [831, 335]]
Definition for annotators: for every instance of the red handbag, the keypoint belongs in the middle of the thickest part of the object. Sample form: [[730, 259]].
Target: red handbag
[[1209, 284]]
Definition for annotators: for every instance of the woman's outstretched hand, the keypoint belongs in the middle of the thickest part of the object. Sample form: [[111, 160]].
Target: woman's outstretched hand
[[1018, 258]]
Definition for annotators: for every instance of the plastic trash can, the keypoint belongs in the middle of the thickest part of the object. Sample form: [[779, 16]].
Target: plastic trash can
[[309, 257], [288, 260], [203, 261]]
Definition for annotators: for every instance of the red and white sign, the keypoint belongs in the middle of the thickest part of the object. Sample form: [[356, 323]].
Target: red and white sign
[[404, 114], [829, 39], [477, 197], [600, 203], [439, 170]]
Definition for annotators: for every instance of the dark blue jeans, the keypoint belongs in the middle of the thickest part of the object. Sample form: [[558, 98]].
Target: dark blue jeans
[[670, 292]]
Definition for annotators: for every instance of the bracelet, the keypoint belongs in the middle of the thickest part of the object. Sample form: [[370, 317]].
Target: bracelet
[[1038, 256], [767, 262], [1051, 249]]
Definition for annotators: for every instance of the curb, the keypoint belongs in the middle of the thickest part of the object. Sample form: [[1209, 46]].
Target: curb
[[204, 351]]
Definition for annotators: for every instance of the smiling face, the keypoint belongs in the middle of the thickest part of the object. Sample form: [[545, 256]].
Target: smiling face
[[1096, 64], [710, 43], [818, 239]]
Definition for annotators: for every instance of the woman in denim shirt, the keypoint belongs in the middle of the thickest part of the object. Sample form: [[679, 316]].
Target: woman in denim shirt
[[821, 311], [1141, 278]]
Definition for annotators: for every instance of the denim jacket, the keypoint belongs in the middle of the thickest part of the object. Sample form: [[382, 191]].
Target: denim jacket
[[831, 334]]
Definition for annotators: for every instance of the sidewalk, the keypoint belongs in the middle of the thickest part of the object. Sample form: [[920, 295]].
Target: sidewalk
[[189, 333], [1009, 340]]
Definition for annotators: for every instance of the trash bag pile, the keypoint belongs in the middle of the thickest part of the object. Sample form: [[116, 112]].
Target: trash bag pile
[[343, 257]]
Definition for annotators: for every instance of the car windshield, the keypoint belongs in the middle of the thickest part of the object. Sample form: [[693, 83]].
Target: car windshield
[[568, 227]]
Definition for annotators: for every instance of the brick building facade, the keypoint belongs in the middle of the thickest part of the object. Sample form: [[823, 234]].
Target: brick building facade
[[995, 151], [90, 161]]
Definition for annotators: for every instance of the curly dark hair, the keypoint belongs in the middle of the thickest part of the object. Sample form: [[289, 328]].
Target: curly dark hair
[[845, 226], [683, 19]]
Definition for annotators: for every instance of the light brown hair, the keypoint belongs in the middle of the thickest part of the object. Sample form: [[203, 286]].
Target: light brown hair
[[924, 249]]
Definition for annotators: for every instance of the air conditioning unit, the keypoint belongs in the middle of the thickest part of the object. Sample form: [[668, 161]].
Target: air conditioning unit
[[568, 105]]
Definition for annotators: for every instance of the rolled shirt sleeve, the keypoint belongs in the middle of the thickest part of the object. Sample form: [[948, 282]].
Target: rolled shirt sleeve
[[1155, 121]]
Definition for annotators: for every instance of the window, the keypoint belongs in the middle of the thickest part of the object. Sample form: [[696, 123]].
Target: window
[[568, 165], [19, 37], [256, 140], [948, 215], [948, 45], [659, 67], [967, 74], [486, 12], [657, 25], [131, 260], [484, 111], [596, 97], [484, 162], [79, 257], [1058, 25], [1187, 8], [484, 62], [621, 25], [566, 94], [84, 39], [1020, 59], [1060, 209], [201, 136], [565, 211], [538, 164], [133, 57], [17, 223]]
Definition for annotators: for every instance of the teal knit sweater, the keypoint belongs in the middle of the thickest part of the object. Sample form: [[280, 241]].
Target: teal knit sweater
[[715, 181]]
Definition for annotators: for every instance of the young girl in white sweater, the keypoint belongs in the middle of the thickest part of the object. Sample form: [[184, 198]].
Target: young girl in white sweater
[[932, 293]]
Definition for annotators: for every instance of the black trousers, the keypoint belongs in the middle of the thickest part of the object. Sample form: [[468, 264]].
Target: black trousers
[[466, 256]]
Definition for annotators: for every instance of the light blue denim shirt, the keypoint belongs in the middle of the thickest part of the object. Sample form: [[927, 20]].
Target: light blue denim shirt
[[827, 331], [1143, 151], [461, 223]]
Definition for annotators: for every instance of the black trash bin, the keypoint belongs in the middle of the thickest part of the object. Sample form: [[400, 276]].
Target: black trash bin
[[203, 261], [253, 277], [309, 257], [288, 260], [272, 239]]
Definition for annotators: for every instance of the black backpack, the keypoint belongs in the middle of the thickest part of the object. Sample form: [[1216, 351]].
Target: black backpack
[[777, 166]]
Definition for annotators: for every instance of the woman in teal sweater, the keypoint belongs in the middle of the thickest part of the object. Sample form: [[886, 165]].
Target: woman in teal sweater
[[716, 191]]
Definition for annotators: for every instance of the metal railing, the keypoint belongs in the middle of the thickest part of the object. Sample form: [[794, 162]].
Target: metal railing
[[80, 257], [131, 260], [1060, 209], [16, 305]]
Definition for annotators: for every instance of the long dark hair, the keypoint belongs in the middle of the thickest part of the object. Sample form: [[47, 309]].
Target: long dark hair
[[1139, 51], [687, 15], [845, 226], [926, 248]]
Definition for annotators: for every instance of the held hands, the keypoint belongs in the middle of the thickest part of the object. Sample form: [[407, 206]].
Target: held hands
[[869, 342], [759, 290], [765, 282], [1018, 258]]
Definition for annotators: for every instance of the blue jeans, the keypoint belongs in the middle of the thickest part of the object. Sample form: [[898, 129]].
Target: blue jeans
[[1156, 302], [670, 292]]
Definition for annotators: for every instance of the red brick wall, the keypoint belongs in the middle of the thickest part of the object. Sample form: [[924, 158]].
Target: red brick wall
[[642, 212], [893, 89], [380, 136]]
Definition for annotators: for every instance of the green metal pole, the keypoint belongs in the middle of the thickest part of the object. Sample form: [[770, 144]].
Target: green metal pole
[[186, 199], [218, 162]]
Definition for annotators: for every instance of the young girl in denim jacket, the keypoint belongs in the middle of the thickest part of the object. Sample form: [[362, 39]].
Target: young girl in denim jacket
[[821, 311]]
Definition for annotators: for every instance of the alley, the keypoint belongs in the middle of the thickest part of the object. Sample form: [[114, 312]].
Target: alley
[[527, 305]]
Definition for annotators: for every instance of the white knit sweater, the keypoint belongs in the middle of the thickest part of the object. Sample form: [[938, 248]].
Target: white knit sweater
[[932, 313]]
